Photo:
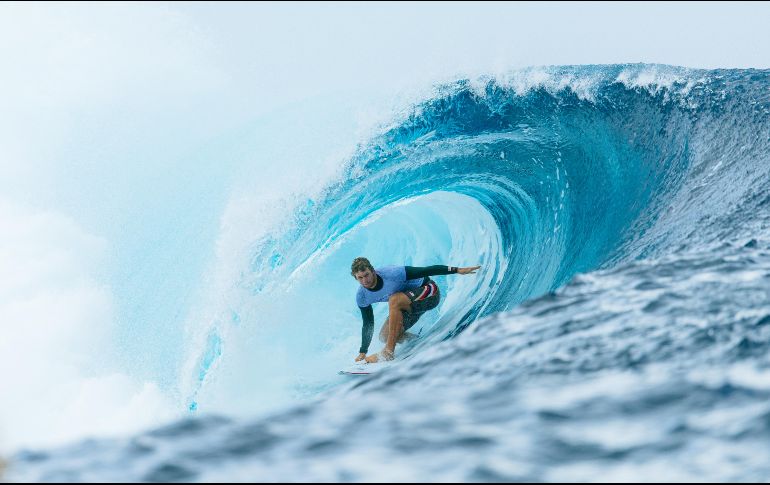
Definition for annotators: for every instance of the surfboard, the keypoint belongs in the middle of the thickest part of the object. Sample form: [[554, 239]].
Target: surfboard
[[364, 369], [359, 369]]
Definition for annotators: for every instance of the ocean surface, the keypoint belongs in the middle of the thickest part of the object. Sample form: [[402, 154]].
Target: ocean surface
[[619, 328]]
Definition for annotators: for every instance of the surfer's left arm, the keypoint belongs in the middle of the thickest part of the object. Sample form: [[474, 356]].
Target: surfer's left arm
[[414, 272], [367, 330]]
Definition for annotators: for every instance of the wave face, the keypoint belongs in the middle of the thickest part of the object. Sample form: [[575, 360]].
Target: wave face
[[619, 327]]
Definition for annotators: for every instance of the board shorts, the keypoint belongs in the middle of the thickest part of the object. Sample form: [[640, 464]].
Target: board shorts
[[424, 298]]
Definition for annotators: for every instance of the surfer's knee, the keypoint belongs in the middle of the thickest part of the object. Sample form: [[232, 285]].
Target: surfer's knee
[[399, 301]]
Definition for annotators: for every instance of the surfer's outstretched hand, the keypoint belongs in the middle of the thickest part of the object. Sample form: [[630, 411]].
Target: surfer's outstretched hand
[[468, 270]]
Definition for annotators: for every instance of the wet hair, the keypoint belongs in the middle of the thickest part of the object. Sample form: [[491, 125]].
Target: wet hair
[[360, 264]]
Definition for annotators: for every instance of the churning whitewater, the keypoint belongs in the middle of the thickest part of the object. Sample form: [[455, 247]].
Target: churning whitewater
[[619, 328]]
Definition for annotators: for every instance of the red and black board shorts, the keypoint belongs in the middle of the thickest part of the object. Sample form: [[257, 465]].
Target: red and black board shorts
[[424, 298]]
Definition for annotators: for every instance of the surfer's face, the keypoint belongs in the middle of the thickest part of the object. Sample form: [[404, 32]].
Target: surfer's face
[[367, 278]]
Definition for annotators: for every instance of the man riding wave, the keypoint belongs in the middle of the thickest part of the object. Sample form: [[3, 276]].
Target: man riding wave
[[409, 292]]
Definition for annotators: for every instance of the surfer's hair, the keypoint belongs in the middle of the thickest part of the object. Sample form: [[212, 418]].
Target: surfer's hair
[[360, 264]]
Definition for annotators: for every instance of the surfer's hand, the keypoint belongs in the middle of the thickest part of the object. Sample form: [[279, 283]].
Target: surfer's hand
[[387, 354], [372, 359], [469, 270], [360, 357]]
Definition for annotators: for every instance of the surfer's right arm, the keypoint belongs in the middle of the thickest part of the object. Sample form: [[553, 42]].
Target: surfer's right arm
[[414, 272], [367, 330]]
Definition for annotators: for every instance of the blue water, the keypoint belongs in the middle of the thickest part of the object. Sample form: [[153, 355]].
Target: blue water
[[619, 328]]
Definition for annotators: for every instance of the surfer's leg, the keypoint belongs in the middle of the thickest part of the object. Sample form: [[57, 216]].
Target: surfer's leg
[[398, 302], [424, 298], [384, 331], [402, 336]]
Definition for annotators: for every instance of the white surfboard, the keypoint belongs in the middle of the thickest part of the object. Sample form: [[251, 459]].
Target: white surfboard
[[364, 369]]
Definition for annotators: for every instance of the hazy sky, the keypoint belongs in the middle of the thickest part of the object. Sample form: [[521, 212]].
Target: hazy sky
[[139, 73], [109, 65], [288, 49]]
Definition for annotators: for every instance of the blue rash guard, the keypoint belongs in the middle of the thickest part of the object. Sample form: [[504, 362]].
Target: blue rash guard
[[390, 280]]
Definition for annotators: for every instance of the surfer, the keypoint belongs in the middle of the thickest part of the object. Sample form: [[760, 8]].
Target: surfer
[[409, 292]]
